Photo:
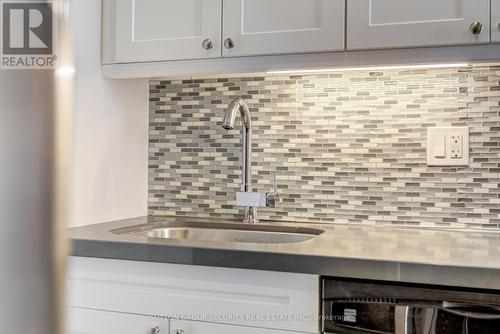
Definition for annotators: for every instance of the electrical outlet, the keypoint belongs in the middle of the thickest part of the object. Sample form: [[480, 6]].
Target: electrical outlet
[[456, 146], [448, 146]]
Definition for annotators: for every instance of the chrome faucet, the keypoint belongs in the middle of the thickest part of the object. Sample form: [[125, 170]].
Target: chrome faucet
[[239, 105], [246, 198]]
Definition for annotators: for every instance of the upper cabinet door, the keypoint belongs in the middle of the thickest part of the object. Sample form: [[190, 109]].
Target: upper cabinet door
[[261, 27], [155, 30], [373, 24], [495, 21]]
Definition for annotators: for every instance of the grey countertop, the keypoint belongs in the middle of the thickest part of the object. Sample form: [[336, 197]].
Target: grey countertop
[[453, 258]]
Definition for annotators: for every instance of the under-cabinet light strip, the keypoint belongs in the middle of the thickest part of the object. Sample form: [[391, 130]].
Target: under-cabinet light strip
[[371, 68]]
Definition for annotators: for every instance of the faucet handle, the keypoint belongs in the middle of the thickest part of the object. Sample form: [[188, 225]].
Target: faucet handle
[[272, 198]]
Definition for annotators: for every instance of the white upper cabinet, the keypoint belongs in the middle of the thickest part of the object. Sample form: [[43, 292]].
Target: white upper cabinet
[[155, 30], [373, 24], [495, 21], [262, 27], [140, 37]]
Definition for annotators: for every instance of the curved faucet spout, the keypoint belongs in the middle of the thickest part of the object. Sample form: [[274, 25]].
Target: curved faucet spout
[[239, 105]]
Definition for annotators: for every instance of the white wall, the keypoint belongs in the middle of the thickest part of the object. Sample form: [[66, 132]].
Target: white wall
[[109, 166]]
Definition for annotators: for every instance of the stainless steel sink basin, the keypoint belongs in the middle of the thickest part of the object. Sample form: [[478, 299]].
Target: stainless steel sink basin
[[203, 231]]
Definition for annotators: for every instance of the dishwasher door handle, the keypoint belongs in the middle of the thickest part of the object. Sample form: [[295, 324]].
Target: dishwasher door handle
[[471, 310]]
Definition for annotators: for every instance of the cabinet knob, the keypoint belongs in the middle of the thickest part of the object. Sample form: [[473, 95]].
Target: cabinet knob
[[207, 44], [228, 43], [179, 331], [155, 330], [476, 28]]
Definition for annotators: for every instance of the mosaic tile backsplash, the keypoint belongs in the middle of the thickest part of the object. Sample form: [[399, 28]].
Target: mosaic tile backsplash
[[346, 147]]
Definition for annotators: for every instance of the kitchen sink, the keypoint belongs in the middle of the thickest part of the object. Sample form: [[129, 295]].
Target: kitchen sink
[[232, 232]]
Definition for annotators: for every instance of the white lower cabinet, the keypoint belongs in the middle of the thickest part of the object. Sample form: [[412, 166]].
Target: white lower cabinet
[[85, 321], [219, 300], [197, 327]]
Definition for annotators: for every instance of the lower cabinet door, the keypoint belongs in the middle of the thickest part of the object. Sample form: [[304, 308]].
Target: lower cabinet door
[[195, 292], [86, 321], [198, 327]]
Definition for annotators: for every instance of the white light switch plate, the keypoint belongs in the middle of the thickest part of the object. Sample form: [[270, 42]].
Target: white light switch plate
[[448, 146]]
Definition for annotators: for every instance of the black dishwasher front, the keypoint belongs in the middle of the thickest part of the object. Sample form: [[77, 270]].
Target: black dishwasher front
[[358, 307]]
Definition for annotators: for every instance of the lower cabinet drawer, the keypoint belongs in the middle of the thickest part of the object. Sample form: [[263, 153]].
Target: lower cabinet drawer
[[85, 321], [252, 298], [196, 327]]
